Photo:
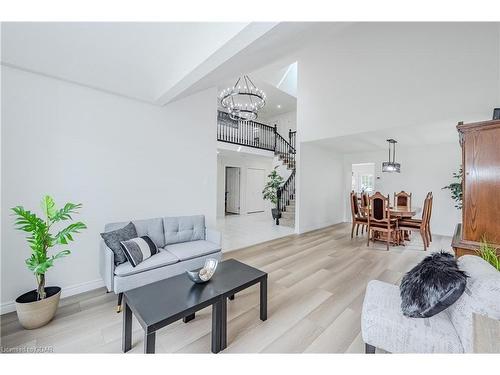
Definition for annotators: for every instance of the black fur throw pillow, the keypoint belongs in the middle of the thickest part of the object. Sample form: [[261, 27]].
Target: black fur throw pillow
[[431, 286]]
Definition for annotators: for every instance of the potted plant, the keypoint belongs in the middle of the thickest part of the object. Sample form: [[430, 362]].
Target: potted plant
[[270, 191], [37, 307], [456, 188], [489, 253]]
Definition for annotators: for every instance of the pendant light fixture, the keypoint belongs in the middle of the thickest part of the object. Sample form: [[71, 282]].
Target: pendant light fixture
[[243, 100], [391, 165]]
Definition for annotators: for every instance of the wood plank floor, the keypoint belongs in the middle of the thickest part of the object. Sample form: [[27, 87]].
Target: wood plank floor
[[315, 293]]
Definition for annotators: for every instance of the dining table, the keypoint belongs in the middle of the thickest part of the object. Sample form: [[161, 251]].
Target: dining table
[[403, 212], [398, 212]]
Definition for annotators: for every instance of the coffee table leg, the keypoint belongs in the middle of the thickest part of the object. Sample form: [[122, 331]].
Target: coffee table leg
[[188, 318], [127, 328], [216, 327], [263, 299], [149, 343], [223, 324]]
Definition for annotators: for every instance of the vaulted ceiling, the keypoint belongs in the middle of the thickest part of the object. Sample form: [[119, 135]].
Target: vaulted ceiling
[[152, 62], [138, 60]]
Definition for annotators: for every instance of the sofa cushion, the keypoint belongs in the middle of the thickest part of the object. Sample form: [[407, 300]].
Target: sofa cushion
[[432, 286], [193, 249], [114, 235], [138, 249], [384, 326], [482, 296], [161, 259], [184, 229], [153, 228]]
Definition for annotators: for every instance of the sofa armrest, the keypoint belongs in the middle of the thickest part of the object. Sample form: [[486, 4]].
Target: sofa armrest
[[213, 236], [107, 265]]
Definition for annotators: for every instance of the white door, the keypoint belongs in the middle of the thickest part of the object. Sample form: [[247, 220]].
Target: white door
[[233, 190], [255, 185]]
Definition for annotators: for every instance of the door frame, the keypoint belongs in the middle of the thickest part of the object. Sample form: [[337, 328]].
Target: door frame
[[225, 189]]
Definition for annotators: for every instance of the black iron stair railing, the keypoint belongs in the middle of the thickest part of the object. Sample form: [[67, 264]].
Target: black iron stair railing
[[285, 194], [245, 133], [265, 137]]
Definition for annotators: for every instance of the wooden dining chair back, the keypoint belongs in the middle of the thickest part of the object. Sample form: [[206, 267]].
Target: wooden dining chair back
[[402, 199], [422, 225], [358, 218], [429, 215], [365, 200], [379, 219]]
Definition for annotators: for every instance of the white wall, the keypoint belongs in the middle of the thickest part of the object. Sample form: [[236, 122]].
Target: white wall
[[383, 75], [120, 158], [373, 76], [284, 121], [423, 169], [320, 188], [243, 161]]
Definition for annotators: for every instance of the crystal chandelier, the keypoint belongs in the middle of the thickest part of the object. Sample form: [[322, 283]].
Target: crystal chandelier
[[391, 166], [243, 100]]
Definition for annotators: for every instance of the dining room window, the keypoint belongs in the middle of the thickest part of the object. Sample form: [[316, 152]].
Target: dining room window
[[366, 183], [363, 178]]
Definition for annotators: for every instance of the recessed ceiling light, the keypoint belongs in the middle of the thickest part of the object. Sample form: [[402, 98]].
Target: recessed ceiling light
[[279, 106]]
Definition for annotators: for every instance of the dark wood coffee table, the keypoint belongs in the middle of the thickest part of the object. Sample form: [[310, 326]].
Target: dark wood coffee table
[[161, 303]]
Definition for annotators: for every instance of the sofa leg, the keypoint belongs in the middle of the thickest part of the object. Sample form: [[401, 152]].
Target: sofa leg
[[188, 318], [119, 304], [369, 349]]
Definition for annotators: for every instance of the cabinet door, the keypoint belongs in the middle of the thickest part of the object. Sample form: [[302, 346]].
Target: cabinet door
[[481, 195]]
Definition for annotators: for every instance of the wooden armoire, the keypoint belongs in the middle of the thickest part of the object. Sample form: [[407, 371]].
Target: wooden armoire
[[480, 143]]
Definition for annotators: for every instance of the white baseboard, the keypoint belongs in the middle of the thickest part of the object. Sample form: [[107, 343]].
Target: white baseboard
[[67, 291]]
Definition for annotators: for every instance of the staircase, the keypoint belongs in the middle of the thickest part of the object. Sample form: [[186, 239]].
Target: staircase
[[265, 137]]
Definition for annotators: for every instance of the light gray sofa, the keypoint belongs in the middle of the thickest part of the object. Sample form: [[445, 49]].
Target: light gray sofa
[[184, 243], [384, 326]]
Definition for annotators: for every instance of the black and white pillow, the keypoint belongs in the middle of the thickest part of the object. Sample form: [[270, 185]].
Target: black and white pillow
[[139, 249]]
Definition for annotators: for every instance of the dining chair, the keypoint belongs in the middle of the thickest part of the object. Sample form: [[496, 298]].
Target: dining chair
[[379, 219], [358, 218], [402, 199], [422, 225], [365, 200]]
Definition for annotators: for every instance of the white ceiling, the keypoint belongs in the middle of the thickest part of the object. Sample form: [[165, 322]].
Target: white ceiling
[[138, 60], [154, 62], [410, 136]]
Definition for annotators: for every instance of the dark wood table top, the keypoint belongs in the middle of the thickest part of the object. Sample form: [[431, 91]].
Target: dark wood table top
[[165, 301], [401, 211]]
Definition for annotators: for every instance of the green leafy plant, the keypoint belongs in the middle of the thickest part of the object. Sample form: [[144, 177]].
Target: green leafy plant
[[456, 188], [270, 191], [40, 238], [489, 253]]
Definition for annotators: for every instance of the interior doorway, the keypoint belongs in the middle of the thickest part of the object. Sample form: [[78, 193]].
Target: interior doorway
[[363, 178], [232, 192], [256, 179]]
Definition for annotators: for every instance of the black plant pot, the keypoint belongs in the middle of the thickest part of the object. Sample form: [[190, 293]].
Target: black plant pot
[[276, 213]]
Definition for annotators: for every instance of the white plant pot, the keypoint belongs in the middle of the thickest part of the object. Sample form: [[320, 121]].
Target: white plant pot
[[35, 314]]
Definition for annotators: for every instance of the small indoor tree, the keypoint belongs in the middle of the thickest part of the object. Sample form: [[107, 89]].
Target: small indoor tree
[[270, 191], [40, 238], [456, 188]]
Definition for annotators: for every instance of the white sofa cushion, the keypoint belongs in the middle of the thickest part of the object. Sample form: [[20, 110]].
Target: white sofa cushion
[[192, 249], [384, 326], [163, 258], [481, 296]]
